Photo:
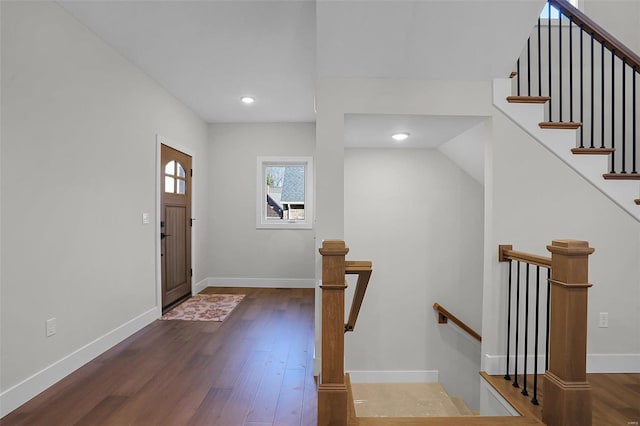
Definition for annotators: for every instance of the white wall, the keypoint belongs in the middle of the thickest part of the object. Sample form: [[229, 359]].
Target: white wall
[[467, 150], [621, 18], [236, 248], [79, 127], [337, 97], [418, 217], [529, 204]]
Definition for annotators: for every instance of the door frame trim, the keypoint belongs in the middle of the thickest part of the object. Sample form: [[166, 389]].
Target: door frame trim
[[161, 140]]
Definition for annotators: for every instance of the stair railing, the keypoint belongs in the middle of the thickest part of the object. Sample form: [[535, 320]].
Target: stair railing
[[361, 268], [444, 316], [332, 390], [567, 394], [588, 79]]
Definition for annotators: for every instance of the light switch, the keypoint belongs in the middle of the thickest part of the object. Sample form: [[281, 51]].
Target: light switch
[[51, 327], [145, 218]]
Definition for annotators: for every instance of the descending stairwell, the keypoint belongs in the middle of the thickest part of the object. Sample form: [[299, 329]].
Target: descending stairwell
[[377, 404], [406, 400], [415, 404]]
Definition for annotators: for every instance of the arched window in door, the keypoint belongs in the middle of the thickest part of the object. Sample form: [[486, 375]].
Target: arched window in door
[[175, 178]]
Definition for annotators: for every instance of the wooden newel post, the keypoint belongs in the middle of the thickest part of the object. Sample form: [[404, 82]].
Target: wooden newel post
[[332, 392], [567, 394]]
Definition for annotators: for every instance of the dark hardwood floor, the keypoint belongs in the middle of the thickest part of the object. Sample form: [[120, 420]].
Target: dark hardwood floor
[[253, 369]]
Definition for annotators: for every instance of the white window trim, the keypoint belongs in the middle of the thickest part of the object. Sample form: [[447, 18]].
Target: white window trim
[[261, 194]]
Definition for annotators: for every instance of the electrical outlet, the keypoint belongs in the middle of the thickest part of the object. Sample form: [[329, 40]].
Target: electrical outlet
[[51, 327], [604, 320]]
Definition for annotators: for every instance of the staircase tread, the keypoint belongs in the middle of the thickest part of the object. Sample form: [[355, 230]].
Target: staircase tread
[[622, 176], [528, 99], [402, 400], [560, 125], [593, 151]]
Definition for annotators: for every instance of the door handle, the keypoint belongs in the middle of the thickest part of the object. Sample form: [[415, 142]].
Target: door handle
[[163, 235]]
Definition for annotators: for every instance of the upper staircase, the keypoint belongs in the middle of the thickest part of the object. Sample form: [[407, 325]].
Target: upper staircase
[[574, 90]]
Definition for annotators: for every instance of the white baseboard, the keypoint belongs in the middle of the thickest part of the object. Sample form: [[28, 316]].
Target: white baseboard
[[198, 287], [613, 363], [496, 364], [22, 392], [262, 282], [596, 363], [394, 376]]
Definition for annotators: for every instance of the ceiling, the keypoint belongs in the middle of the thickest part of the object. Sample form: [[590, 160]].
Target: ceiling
[[426, 131], [210, 53]]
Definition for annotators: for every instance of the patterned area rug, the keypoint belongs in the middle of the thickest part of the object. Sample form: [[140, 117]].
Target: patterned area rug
[[205, 307]]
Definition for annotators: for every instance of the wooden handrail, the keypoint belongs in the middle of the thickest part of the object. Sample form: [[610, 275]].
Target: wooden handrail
[[444, 316], [506, 253], [361, 268], [567, 394], [599, 33]]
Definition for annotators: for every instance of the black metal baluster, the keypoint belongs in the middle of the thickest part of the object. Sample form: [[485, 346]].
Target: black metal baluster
[[624, 117], [515, 371], [613, 111], [534, 400], [550, 85], [518, 76], [570, 69], [529, 67], [546, 366], [560, 66], [581, 86], [602, 94], [633, 122], [592, 145], [539, 60], [506, 375], [526, 334]]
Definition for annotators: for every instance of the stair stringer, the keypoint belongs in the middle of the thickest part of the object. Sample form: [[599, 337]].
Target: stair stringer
[[560, 142]]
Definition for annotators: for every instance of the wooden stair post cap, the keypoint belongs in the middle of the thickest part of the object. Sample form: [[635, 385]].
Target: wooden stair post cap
[[334, 248], [570, 247]]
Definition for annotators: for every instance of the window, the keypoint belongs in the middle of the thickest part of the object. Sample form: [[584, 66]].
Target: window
[[175, 178], [554, 12], [284, 192]]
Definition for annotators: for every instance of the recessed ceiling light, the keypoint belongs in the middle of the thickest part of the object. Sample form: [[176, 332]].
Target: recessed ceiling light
[[248, 99], [400, 136]]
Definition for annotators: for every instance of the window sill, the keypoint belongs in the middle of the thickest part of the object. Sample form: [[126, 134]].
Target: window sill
[[285, 225]]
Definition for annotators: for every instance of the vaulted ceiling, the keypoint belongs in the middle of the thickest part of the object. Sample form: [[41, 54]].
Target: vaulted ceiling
[[210, 53]]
